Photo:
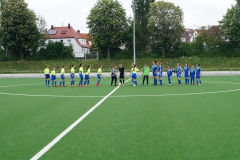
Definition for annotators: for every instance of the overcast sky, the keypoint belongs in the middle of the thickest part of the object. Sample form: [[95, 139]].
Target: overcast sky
[[196, 12]]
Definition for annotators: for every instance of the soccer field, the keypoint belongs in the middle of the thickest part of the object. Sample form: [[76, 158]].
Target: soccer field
[[136, 123]]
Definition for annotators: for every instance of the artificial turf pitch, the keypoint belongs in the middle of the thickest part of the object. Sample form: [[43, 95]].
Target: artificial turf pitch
[[143, 122]]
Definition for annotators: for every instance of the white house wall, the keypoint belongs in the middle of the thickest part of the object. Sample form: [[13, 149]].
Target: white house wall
[[77, 49]]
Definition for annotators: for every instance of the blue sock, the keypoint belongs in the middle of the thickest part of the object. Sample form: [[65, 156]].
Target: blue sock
[[180, 82], [52, 83], [161, 82], [64, 83], [73, 82], [98, 81], [55, 83], [85, 82], [60, 83], [46, 82], [88, 82], [197, 81], [200, 81]]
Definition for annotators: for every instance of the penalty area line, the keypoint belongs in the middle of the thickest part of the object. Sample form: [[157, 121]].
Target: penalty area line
[[60, 136]]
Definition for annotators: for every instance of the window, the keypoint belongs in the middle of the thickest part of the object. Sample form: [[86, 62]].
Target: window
[[64, 32], [61, 40], [69, 41], [51, 31]]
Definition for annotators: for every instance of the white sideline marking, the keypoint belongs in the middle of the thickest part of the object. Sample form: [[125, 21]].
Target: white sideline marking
[[60, 136], [19, 85]]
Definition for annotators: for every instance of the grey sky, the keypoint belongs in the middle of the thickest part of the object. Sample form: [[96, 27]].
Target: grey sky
[[196, 12]]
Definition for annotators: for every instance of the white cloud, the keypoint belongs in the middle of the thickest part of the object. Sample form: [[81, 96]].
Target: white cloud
[[196, 12]]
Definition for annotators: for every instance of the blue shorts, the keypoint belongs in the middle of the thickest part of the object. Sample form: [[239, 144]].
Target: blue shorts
[[159, 74], [98, 76], [86, 77], [154, 74], [47, 76], [62, 77], [192, 77], [186, 75], [80, 75], [53, 78], [134, 75], [72, 75], [198, 76]]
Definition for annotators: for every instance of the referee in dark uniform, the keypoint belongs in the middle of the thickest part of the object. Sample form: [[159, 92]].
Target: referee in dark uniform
[[122, 73]]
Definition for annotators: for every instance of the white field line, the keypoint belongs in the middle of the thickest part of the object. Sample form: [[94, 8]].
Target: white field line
[[19, 85], [60, 136], [221, 82]]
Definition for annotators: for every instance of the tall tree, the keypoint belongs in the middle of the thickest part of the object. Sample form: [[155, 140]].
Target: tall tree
[[106, 23], [165, 25], [231, 24], [141, 11], [19, 30]]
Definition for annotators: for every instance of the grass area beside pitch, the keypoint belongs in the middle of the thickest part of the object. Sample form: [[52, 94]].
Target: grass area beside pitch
[[143, 122]]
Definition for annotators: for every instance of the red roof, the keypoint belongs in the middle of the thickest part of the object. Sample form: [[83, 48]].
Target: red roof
[[69, 33]]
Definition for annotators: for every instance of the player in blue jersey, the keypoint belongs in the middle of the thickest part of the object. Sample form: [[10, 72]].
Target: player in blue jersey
[[179, 73], [62, 82], [186, 74], [99, 75], [47, 76], [154, 72], [198, 74], [80, 84], [169, 74], [192, 75], [160, 72]]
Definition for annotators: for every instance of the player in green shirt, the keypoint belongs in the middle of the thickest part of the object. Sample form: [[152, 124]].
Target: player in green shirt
[[72, 75], [47, 76], [53, 77], [145, 72]]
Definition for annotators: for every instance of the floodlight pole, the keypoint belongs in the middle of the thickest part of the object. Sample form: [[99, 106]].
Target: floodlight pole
[[134, 33]]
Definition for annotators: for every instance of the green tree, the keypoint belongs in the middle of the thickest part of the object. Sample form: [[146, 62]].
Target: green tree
[[20, 34], [231, 24], [142, 34], [106, 23], [165, 25]]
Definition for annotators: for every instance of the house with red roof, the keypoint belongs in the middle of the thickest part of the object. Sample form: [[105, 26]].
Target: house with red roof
[[68, 36]]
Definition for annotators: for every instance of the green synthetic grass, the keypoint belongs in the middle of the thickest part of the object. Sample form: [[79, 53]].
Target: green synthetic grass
[[143, 122], [218, 63]]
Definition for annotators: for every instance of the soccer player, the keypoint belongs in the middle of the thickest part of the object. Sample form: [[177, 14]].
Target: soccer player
[[179, 72], [134, 75], [53, 77], [169, 74], [145, 71], [122, 74], [72, 75], [80, 84], [160, 73], [198, 74], [154, 72], [186, 73], [99, 75], [87, 76], [192, 75], [47, 76], [114, 75], [62, 82], [132, 71]]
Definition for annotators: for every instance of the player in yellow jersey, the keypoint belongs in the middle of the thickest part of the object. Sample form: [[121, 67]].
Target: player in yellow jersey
[[53, 77], [99, 75], [80, 84], [87, 76], [62, 77], [132, 71], [72, 75], [134, 75], [47, 76]]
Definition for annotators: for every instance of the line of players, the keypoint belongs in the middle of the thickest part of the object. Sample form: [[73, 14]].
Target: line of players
[[157, 72]]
